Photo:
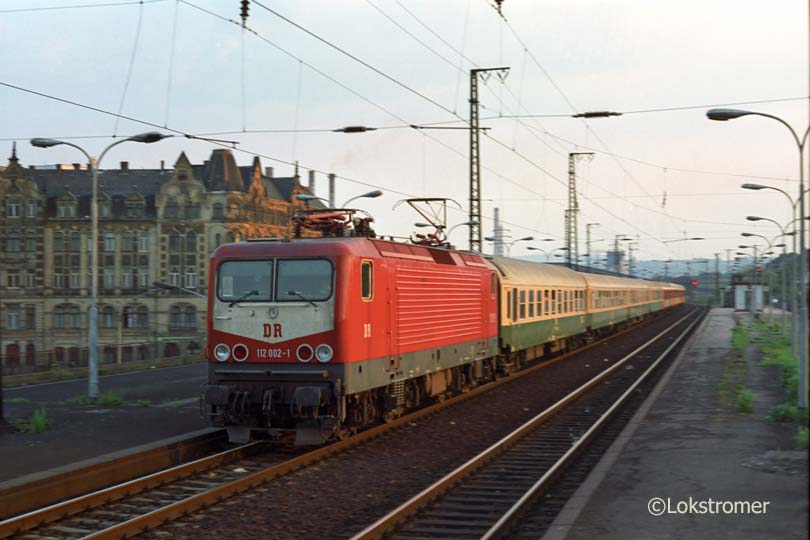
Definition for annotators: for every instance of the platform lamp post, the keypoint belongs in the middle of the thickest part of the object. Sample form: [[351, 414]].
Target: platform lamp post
[[724, 115], [553, 254], [784, 266], [541, 250], [94, 164], [794, 267], [771, 245], [513, 242]]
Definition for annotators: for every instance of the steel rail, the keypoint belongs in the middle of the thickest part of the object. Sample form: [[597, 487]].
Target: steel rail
[[22, 495], [390, 521], [505, 522], [36, 518], [183, 507]]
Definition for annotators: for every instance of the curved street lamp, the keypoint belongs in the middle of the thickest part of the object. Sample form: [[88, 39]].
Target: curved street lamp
[[94, 164], [723, 115]]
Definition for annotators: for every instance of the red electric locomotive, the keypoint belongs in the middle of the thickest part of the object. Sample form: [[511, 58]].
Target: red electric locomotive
[[317, 337]]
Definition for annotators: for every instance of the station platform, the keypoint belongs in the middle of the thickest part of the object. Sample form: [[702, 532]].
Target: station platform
[[155, 405], [688, 465]]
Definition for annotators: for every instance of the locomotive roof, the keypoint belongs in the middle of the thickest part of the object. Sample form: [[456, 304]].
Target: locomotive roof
[[303, 247], [519, 272]]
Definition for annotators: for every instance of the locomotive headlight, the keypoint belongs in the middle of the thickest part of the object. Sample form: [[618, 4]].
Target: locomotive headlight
[[323, 353], [222, 352]]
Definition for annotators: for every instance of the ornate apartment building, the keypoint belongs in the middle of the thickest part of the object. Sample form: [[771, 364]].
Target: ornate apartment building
[[155, 225]]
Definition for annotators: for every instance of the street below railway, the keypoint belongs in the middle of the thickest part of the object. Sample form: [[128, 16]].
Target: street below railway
[[155, 404]]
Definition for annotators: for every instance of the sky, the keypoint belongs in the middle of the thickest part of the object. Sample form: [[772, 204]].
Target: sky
[[657, 176]]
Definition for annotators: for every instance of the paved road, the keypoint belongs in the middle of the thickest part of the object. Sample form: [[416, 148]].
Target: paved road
[[158, 404]]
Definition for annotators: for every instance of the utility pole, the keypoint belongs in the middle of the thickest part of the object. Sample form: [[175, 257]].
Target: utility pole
[[630, 248], [588, 241], [497, 234], [475, 217], [717, 280], [571, 226]]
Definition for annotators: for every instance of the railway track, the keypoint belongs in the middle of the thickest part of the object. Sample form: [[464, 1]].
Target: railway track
[[24, 495], [484, 497], [142, 504]]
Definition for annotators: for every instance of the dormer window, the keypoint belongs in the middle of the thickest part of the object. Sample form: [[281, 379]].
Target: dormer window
[[66, 209], [13, 208], [104, 209], [172, 210]]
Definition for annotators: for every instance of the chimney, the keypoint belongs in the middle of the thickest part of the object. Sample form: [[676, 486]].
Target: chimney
[[268, 172], [125, 167], [311, 182], [162, 164], [331, 190]]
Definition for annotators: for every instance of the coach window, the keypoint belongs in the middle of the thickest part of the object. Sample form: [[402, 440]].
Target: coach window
[[522, 304], [559, 301], [514, 305], [539, 309], [531, 304], [553, 302], [493, 285], [367, 280], [545, 301]]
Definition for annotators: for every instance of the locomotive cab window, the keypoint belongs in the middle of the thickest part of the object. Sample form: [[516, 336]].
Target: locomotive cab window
[[250, 280], [367, 280], [303, 280]]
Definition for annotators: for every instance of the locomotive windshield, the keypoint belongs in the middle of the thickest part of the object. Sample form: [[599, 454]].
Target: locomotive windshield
[[238, 278], [310, 279], [294, 279]]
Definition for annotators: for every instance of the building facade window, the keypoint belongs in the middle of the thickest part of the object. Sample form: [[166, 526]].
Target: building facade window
[[190, 317], [30, 317], [13, 317], [31, 245], [30, 355], [13, 245], [109, 242], [14, 278], [172, 210], [143, 279], [13, 208], [126, 280], [174, 279], [109, 278], [108, 317], [30, 280], [142, 317], [32, 209], [66, 210], [218, 211], [191, 280], [143, 242]]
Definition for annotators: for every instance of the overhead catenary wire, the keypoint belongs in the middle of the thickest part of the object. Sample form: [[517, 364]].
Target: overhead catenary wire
[[79, 6], [131, 65], [225, 144], [170, 73]]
